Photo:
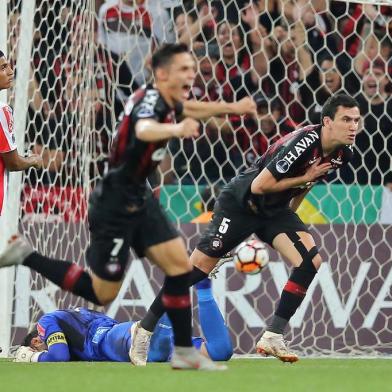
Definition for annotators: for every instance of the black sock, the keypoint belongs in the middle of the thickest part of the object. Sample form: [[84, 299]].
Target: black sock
[[292, 296], [288, 304], [157, 309], [177, 301], [69, 276]]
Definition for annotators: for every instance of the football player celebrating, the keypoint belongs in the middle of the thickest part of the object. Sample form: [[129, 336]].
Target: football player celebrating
[[123, 212], [263, 200]]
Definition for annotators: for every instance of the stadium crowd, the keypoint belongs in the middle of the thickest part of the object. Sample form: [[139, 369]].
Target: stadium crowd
[[290, 56]]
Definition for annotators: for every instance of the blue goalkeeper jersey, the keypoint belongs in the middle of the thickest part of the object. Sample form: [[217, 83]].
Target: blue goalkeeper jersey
[[85, 335]]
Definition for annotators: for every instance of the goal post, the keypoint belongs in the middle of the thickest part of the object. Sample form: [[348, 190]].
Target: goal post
[[10, 218]]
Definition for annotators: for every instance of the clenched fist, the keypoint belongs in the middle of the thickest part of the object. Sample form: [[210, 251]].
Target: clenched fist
[[245, 106], [187, 128], [36, 161]]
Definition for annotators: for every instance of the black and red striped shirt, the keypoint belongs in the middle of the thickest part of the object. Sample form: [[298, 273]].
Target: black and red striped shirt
[[289, 157], [132, 160]]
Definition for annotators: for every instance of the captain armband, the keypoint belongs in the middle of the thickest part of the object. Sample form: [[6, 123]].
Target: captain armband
[[54, 338]]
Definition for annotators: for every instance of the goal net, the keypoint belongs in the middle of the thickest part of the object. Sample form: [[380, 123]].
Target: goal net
[[85, 57]]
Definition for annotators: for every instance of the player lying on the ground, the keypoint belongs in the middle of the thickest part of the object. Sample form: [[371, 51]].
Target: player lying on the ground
[[85, 335]]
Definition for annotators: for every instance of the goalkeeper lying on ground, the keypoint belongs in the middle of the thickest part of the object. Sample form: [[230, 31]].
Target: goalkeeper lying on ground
[[85, 335]]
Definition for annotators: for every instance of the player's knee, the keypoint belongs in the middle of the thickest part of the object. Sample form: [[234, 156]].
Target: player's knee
[[184, 264], [202, 261], [105, 297], [105, 291], [220, 351], [179, 266], [311, 261], [304, 274]]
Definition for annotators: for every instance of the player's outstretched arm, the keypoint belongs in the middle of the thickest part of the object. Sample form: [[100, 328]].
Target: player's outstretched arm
[[203, 110], [152, 131], [14, 162], [56, 353]]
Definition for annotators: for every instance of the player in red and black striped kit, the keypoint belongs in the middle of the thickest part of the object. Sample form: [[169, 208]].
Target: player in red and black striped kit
[[123, 212], [263, 200]]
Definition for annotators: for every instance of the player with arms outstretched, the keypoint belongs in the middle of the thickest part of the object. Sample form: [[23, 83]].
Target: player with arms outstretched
[[85, 335], [263, 200], [123, 213]]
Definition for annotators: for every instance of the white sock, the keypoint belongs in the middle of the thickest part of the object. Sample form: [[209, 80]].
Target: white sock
[[269, 334], [184, 350]]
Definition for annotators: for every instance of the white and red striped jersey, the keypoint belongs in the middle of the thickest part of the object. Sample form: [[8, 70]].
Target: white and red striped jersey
[[124, 29], [7, 144]]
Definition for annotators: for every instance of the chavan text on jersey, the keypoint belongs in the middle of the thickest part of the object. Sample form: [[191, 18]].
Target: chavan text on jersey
[[291, 156]]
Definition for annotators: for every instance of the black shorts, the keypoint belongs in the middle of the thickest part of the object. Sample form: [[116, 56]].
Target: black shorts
[[112, 236], [232, 224]]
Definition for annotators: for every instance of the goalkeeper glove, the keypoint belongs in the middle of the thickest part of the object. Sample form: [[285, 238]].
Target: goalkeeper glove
[[27, 354]]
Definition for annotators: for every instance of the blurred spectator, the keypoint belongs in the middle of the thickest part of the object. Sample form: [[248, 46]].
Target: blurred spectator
[[374, 48], [234, 59], [260, 45], [162, 19], [205, 86], [50, 46], [324, 80], [374, 142], [58, 132], [46, 139], [358, 21], [194, 28], [125, 30], [318, 26], [43, 136], [371, 50], [270, 13], [290, 68], [256, 135], [234, 68]]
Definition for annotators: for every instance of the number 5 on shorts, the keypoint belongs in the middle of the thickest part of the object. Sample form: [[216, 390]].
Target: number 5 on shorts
[[224, 226]]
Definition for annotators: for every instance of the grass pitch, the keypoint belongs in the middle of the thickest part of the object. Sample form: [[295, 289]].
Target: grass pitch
[[315, 375]]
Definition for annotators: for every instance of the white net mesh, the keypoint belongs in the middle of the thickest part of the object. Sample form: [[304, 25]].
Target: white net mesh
[[290, 56]]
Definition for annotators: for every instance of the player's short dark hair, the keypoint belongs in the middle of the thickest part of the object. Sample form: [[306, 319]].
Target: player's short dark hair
[[29, 337], [334, 101], [164, 55], [2, 54]]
